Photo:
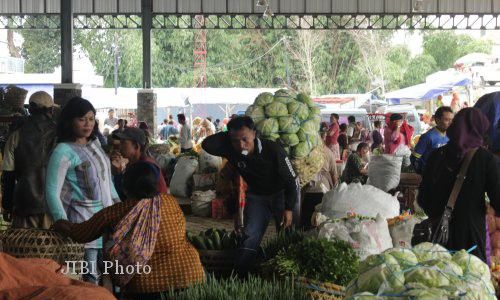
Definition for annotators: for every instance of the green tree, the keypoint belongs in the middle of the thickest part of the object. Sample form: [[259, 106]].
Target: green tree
[[41, 50], [419, 68], [446, 47]]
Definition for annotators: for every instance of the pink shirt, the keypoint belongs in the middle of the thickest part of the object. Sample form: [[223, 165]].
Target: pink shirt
[[333, 134], [393, 140]]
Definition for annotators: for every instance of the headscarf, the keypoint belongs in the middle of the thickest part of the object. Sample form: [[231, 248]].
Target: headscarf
[[135, 236], [465, 133], [489, 104]]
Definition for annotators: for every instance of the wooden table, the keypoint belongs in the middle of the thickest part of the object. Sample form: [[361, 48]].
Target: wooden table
[[408, 186]]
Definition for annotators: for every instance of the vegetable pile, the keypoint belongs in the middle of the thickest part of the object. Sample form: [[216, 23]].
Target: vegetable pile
[[294, 121], [318, 259], [250, 288], [428, 271], [214, 239]]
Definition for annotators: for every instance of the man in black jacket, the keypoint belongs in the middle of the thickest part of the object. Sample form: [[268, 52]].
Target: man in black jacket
[[273, 187], [25, 158]]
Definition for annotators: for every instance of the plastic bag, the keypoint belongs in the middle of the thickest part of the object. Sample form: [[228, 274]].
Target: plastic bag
[[203, 182], [208, 163], [364, 200], [201, 203], [404, 152], [367, 237], [182, 180], [402, 231], [384, 171]]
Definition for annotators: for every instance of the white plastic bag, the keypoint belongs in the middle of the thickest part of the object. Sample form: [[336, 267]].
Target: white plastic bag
[[367, 237], [208, 163], [402, 232], [182, 180], [364, 200], [404, 152], [201, 203], [384, 171]]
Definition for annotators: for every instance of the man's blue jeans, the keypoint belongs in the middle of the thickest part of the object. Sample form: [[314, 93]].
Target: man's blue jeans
[[93, 257], [258, 212]]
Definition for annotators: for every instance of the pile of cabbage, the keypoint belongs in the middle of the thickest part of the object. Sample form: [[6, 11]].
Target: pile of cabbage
[[294, 121], [427, 271]]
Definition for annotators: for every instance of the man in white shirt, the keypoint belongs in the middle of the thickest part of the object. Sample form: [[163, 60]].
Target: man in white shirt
[[185, 137]]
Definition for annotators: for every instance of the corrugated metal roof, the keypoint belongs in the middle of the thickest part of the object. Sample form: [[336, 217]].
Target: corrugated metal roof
[[249, 6]]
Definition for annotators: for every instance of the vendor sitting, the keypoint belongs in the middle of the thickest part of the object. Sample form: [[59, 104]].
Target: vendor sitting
[[355, 170], [147, 231]]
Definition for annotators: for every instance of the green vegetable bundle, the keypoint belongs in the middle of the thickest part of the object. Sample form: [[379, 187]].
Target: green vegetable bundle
[[248, 289], [427, 271], [213, 239], [294, 121], [318, 259]]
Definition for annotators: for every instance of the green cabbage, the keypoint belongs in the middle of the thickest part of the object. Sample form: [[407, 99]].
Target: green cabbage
[[298, 110], [273, 137], [310, 127], [380, 272], [446, 266], [315, 111], [428, 276], [306, 99], [284, 93], [317, 119], [302, 135], [472, 265], [427, 251], [288, 125], [426, 294], [268, 127], [301, 150], [290, 139], [264, 99], [366, 296], [276, 109], [284, 99], [256, 113], [405, 257]]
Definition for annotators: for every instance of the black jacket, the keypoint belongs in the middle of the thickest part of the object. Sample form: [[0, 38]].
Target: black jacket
[[267, 171], [468, 223]]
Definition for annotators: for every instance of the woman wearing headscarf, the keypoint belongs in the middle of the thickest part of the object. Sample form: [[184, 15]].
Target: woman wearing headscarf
[[489, 104], [467, 225], [147, 231]]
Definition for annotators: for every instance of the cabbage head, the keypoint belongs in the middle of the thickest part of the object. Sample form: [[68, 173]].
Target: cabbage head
[[302, 135], [285, 93], [276, 109], [472, 265], [284, 99], [426, 294], [298, 110], [256, 113], [264, 99], [315, 111], [405, 257], [310, 127], [289, 139], [273, 137], [427, 251], [268, 127], [380, 272], [428, 276], [288, 125], [446, 266], [301, 150], [306, 99], [317, 119]]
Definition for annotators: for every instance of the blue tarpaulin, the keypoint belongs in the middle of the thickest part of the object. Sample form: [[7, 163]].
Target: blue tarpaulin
[[426, 91]]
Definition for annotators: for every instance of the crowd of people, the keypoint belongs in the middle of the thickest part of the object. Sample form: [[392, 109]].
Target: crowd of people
[[57, 174]]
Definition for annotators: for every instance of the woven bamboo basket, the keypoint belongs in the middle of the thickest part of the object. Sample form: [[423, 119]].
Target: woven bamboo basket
[[40, 243], [219, 262]]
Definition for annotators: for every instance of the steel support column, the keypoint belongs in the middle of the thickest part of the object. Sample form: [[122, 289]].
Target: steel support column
[[147, 24], [66, 41]]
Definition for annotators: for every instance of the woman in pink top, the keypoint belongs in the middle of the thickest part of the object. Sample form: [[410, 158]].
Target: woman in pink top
[[396, 133], [333, 135]]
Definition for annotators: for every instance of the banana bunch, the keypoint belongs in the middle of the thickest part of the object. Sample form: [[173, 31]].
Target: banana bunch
[[309, 166]]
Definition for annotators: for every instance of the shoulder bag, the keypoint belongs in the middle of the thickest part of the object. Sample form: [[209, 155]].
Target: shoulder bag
[[436, 230]]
